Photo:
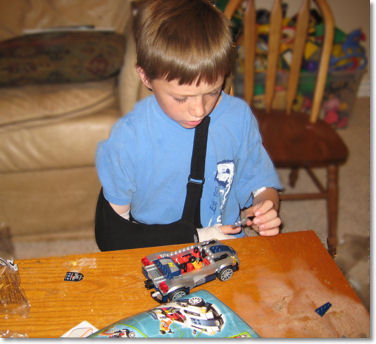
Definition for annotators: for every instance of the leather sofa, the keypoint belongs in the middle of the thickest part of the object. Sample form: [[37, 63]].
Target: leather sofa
[[49, 132]]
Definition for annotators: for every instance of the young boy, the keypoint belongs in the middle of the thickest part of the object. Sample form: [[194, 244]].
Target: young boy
[[184, 53]]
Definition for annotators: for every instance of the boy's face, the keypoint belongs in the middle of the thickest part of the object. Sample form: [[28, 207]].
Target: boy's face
[[186, 104]]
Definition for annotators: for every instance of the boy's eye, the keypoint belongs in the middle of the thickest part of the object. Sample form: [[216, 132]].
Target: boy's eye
[[215, 93], [180, 100]]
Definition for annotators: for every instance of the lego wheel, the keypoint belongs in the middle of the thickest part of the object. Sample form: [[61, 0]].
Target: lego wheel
[[196, 301], [131, 334], [177, 294], [225, 274]]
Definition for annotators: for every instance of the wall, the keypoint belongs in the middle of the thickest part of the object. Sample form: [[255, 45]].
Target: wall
[[350, 15]]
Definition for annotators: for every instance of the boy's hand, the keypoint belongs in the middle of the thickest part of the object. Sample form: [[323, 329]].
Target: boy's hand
[[266, 221]]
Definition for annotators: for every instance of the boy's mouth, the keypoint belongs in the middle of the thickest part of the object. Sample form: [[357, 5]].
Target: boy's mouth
[[193, 123]]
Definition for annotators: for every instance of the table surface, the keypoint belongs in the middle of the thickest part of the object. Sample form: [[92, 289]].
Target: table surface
[[280, 283]]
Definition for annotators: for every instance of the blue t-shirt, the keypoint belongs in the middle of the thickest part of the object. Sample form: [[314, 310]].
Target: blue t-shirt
[[146, 163]]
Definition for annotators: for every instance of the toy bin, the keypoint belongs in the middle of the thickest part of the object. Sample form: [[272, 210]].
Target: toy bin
[[339, 97]]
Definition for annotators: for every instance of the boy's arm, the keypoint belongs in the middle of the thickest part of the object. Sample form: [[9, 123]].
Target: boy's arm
[[122, 210], [268, 194], [265, 209]]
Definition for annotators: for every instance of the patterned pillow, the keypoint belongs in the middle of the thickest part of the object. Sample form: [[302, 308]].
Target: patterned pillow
[[60, 57]]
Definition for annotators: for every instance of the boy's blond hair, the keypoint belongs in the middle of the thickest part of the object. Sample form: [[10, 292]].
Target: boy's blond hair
[[186, 40]]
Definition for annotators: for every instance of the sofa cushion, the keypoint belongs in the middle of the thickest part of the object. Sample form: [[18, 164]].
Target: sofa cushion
[[22, 107], [60, 56], [51, 204], [57, 145]]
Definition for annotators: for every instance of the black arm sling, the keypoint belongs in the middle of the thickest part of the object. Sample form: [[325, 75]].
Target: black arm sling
[[113, 232]]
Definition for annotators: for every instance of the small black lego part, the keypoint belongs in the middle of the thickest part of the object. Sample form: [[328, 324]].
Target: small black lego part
[[323, 309], [73, 276]]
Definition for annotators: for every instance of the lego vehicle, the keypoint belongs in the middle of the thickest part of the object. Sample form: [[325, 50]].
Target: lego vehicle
[[123, 333], [192, 313], [174, 274]]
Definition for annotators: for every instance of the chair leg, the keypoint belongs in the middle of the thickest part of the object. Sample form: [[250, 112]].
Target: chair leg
[[293, 176], [332, 206]]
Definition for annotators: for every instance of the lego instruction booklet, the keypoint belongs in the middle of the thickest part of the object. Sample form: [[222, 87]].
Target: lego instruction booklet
[[197, 315]]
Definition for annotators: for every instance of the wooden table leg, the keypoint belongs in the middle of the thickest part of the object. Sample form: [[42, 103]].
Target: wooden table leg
[[332, 206]]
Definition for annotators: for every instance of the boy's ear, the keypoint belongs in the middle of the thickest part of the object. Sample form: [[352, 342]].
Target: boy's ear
[[143, 77]]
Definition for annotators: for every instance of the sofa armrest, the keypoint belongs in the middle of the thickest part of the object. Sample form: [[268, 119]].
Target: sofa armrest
[[16, 16], [130, 89]]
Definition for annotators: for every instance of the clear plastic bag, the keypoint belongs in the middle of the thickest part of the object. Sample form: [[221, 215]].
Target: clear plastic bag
[[12, 298], [12, 334]]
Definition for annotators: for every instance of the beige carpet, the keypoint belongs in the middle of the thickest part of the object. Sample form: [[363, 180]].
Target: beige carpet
[[354, 216]]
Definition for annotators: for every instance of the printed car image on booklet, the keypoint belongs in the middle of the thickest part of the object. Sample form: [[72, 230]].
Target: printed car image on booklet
[[199, 314]]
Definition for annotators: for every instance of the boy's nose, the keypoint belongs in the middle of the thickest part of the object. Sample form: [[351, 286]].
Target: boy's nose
[[197, 108]]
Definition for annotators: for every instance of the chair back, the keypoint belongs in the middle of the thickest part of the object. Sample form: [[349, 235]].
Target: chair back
[[249, 41]]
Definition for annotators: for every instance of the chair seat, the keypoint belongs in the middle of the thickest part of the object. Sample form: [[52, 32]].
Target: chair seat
[[294, 141]]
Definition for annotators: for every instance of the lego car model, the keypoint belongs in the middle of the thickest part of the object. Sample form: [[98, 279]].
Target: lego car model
[[192, 313], [174, 273], [123, 333]]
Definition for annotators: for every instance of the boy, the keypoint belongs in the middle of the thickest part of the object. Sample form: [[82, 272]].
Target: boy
[[184, 53]]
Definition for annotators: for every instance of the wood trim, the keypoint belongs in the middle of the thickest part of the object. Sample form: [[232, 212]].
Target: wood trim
[[250, 37], [231, 7], [325, 59], [315, 180], [273, 52], [303, 196], [298, 50]]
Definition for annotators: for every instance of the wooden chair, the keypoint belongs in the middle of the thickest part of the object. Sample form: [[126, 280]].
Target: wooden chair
[[295, 140]]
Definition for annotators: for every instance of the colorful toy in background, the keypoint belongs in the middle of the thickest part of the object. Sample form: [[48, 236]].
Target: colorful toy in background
[[347, 64], [333, 107], [349, 54], [340, 96]]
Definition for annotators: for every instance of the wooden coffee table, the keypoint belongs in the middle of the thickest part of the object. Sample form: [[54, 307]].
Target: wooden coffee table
[[282, 280]]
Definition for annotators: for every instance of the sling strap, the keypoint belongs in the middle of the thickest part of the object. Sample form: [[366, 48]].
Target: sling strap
[[113, 232], [196, 180]]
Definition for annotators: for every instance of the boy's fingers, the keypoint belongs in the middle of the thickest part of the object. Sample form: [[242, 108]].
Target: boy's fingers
[[250, 222], [263, 207], [268, 224], [275, 223], [265, 218], [270, 232], [228, 229]]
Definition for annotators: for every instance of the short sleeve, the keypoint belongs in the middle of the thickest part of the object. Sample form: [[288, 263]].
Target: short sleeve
[[255, 168], [114, 165]]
